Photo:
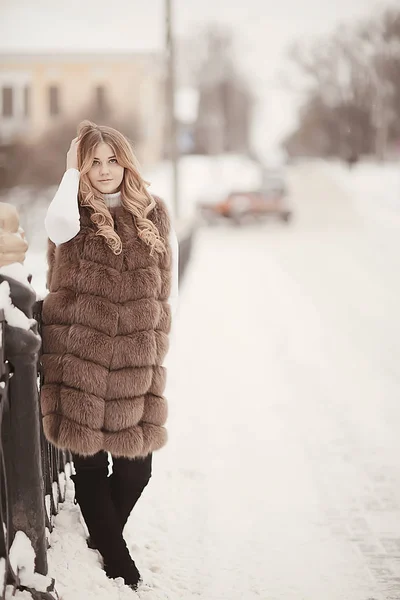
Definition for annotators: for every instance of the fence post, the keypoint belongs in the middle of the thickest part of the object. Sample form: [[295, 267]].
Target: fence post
[[186, 234], [21, 434]]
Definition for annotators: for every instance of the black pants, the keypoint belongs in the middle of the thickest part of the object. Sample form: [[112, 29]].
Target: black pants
[[106, 503], [128, 479]]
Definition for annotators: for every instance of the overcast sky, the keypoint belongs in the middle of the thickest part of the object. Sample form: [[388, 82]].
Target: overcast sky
[[263, 30]]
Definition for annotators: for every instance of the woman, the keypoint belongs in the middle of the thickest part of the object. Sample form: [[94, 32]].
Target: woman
[[112, 276]]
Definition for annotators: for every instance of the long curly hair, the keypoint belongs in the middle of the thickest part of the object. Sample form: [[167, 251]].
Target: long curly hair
[[134, 195]]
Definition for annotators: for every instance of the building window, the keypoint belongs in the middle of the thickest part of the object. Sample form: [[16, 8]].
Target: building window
[[27, 101], [54, 100], [7, 101], [101, 98]]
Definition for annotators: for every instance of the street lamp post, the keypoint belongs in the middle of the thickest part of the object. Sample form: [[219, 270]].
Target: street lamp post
[[172, 133]]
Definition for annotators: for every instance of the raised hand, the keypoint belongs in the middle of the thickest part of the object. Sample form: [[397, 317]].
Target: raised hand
[[72, 154]]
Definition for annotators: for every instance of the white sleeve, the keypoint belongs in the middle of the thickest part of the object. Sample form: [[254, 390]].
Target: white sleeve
[[173, 297], [62, 221]]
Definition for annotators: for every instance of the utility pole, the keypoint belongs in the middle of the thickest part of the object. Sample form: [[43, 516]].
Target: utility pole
[[172, 129]]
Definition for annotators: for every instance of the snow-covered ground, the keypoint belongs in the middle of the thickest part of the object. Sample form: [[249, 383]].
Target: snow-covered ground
[[281, 479], [375, 189]]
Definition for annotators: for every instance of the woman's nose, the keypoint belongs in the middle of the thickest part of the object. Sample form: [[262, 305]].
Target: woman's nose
[[104, 169]]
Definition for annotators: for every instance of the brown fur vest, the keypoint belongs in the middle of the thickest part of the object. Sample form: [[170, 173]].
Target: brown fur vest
[[106, 321]]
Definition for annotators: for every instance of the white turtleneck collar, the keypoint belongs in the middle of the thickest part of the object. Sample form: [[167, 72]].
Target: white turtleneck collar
[[112, 200]]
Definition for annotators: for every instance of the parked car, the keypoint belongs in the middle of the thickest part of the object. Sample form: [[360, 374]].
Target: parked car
[[242, 206]]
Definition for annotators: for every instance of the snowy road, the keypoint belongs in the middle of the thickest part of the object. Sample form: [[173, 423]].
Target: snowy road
[[281, 480]]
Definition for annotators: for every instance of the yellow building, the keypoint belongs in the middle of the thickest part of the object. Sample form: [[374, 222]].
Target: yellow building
[[38, 91]]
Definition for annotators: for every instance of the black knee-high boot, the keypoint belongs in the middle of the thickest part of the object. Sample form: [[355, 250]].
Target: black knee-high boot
[[92, 492], [127, 482]]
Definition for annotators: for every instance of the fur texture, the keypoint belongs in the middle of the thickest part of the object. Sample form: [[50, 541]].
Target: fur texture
[[106, 321]]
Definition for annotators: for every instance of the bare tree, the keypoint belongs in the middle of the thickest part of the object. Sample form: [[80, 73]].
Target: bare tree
[[353, 78], [225, 99]]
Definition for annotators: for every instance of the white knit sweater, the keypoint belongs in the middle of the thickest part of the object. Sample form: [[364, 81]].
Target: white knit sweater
[[62, 222]]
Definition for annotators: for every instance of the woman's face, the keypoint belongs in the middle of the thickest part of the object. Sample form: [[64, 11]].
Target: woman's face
[[106, 174]]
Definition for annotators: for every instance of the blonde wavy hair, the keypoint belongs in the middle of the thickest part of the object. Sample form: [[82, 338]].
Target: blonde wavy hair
[[134, 195]]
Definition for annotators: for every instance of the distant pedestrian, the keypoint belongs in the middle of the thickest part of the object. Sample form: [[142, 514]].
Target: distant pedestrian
[[352, 159]]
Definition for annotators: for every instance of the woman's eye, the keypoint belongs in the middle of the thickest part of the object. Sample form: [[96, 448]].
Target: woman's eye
[[95, 162], [113, 161]]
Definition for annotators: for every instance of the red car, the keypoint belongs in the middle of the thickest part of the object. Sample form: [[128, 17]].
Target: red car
[[243, 206]]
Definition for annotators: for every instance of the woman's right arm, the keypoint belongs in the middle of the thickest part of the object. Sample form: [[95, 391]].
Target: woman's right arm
[[62, 221]]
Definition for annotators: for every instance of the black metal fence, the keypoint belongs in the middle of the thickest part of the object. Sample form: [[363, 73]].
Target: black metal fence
[[27, 469], [56, 464], [186, 240]]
